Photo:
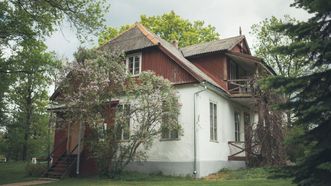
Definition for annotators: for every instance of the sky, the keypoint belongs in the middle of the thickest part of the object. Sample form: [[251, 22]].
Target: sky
[[225, 15]]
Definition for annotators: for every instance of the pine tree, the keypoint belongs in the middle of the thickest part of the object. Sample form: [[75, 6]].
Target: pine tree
[[311, 102]]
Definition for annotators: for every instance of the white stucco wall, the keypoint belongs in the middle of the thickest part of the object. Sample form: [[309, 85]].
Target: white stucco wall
[[176, 157], [182, 149], [217, 152]]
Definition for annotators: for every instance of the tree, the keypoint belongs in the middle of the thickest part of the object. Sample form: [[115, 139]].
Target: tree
[[311, 92], [28, 97], [286, 65], [31, 21], [268, 39], [27, 19], [170, 27], [148, 104]]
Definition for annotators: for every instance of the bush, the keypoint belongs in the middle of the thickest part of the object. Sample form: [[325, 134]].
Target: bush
[[35, 169]]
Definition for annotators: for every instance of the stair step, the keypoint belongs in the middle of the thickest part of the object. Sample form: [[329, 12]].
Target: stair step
[[60, 166], [54, 177], [59, 169], [55, 173]]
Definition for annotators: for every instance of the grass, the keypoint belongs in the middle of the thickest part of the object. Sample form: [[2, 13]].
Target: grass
[[172, 182], [246, 177], [15, 172]]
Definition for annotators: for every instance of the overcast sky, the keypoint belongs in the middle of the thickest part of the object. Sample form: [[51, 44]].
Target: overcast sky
[[225, 15]]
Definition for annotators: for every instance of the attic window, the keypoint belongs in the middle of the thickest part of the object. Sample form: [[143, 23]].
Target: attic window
[[133, 63]]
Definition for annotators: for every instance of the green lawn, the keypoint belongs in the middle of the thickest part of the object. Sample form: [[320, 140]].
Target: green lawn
[[15, 172], [174, 182]]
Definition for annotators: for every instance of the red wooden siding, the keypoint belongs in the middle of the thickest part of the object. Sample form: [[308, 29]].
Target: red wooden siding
[[214, 65], [60, 143], [241, 47], [155, 60]]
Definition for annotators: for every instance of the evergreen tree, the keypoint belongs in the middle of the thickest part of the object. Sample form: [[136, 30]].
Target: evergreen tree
[[311, 101]]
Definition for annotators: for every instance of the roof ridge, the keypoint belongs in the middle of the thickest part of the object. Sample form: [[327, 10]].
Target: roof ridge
[[207, 42], [147, 33]]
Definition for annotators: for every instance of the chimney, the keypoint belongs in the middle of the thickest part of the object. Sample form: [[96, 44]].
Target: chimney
[[175, 43]]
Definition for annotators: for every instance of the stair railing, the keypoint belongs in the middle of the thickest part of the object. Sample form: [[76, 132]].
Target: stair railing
[[69, 168], [50, 155]]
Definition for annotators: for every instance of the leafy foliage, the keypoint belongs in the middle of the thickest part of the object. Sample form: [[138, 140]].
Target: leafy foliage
[[35, 170], [285, 65], [170, 27], [24, 21], [28, 97], [268, 39], [120, 132], [311, 100], [31, 19]]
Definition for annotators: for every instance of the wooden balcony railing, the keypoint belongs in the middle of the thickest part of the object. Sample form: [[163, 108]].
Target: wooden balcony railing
[[240, 86], [238, 150]]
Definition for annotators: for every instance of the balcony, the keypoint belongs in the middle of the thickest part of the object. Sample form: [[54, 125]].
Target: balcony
[[242, 91], [241, 87]]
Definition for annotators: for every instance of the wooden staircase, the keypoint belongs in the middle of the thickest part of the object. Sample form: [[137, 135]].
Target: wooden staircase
[[64, 166]]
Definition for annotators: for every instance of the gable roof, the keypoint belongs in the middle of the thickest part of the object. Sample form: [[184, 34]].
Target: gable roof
[[138, 37], [178, 57], [130, 40], [212, 46]]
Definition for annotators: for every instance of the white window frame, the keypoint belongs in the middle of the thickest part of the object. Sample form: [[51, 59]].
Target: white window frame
[[213, 124], [121, 138], [237, 126], [168, 135], [102, 131], [127, 63]]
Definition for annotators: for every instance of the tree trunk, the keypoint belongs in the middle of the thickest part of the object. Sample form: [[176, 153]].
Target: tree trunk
[[27, 119]]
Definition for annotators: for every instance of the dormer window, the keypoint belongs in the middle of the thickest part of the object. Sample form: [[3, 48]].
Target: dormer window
[[133, 64]]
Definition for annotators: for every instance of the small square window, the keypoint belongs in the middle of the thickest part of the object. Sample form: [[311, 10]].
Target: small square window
[[133, 64]]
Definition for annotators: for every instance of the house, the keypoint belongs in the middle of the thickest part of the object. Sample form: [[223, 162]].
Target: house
[[213, 83]]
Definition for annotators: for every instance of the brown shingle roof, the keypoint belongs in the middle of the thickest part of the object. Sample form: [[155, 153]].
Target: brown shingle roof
[[212, 46], [130, 40], [138, 37], [179, 58]]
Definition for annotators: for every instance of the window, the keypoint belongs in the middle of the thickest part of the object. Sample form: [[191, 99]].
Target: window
[[133, 64], [102, 131], [237, 126], [169, 134], [123, 122], [233, 70], [247, 119], [213, 121], [166, 132]]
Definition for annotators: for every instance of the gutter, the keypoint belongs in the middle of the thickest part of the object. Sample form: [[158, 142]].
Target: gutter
[[194, 129]]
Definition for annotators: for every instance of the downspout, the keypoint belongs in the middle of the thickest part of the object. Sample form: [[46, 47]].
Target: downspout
[[194, 129], [78, 148]]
